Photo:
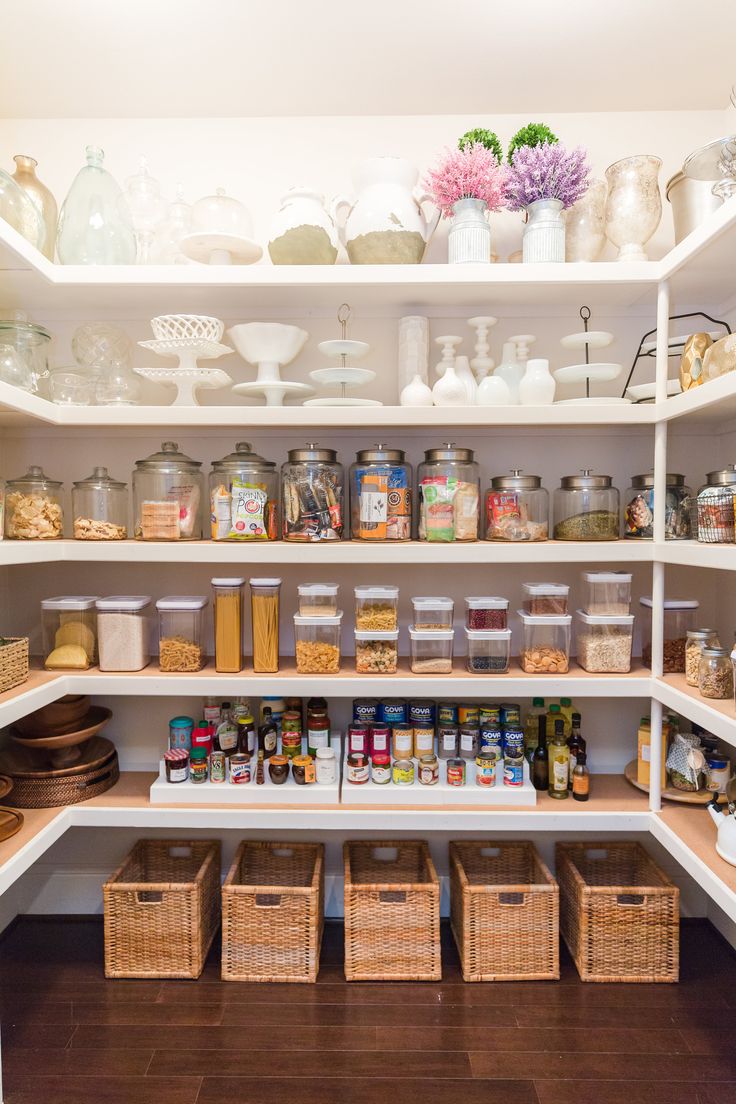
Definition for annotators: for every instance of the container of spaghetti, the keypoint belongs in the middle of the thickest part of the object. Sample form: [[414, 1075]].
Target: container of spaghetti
[[264, 612], [227, 599]]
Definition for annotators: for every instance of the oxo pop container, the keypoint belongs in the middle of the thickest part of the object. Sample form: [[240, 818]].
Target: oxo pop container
[[679, 616], [377, 607], [604, 643], [376, 651], [545, 643], [318, 599], [181, 633], [607, 593], [488, 651], [69, 625], [317, 644], [431, 651], [486, 613], [433, 614], [541, 599], [123, 632]]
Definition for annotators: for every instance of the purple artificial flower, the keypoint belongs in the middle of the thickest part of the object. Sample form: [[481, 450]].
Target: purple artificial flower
[[547, 172], [469, 173]]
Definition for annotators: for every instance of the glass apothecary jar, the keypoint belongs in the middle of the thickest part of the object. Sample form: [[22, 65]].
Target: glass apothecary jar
[[318, 599], [604, 642], [317, 644], [431, 651], [168, 491], [376, 651], [586, 508], [312, 495], [713, 513], [31, 344], [678, 616], [69, 628], [100, 507], [33, 509], [639, 508], [517, 508], [433, 614], [696, 640], [715, 673], [545, 643], [489, 651], [607, 593], [181, 633], [376, 607], [448, 481], [244, 494], [380, 495], [123, 632]]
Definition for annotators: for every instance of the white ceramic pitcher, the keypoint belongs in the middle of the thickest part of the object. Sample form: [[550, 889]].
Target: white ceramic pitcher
[[302, 232], [386, 224]]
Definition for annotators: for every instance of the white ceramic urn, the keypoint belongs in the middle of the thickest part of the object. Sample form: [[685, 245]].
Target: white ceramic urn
[[537, 388], [302, 232]]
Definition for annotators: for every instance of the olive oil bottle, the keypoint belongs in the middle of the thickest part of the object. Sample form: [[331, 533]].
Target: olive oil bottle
[[559, 762]]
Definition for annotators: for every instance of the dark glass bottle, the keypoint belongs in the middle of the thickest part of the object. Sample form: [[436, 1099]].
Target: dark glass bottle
[[581, 779], [246, 735], [267, 735], [540, 758], [576, 744]]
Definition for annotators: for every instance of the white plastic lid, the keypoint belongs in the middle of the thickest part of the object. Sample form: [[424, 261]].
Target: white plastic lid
[[488, 634], [317, 590], [264, 582], [228, 582], [545, 618], [326, 752], [376, 634], [607, 576], [123, 603], [181, 602], [602, 619], [425, 603], [69, 602], [537, 589], [487, 603], [363, 592], [673, 603], [315, 619], [431, 634]]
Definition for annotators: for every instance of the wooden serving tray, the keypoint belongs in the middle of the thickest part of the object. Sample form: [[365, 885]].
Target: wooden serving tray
[[24, 762], [682, 797]]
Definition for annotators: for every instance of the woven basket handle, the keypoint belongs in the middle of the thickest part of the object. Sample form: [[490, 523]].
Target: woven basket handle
[[268, 900], [490, 852], [511, 899], [596, 853], [149, 897], [180, 851], [282, 852], [392, 897], [635, 899]]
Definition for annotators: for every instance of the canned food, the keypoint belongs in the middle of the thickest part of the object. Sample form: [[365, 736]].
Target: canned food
[[381, 769], [359, 737], [429, 770], [469, 740], [365, 710], [489, 715], [402, 741], [403, 772], [239, 769], [513, 743], [455, 772], [422, 712], [510, 714], [491, 739], [380, 739], [358, 771], [485, 769], [468, 715], [423, 740], [513, 772], [447, 713], [393, 711], [291, 743], [217, 766], [448, 737]]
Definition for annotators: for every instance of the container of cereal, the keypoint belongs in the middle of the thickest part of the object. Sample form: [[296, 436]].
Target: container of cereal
[[604, 643], [433, 614], [486, 613], [679, 617], [317, 599], [376, 607], [545, 648], [431, 651], [69, 625], [317, 644], [181, 633], [542, 599], [123, 631], [376, 651], [100, 507], [607, 593], [488, 651], [33, 508]]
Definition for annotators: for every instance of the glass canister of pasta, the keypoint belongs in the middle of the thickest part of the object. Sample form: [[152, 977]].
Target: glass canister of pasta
[[264, 609]]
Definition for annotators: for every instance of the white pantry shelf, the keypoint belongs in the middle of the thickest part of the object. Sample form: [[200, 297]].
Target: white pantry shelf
[[716, 716]]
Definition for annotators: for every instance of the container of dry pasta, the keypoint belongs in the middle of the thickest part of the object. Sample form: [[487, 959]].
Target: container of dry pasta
[[227, 599], [181, 633], [123, 630], [317, 644], [264, 614], [69, 625], [377, 607]]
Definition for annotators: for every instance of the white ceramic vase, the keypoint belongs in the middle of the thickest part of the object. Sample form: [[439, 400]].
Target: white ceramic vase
[[449, 389], [538, 385], [386, 224], [302, 232], [466, 377], [416, 393], [634, 205], [469, 240], [544, 233], [413, 349], [493, 391], [510, 371]]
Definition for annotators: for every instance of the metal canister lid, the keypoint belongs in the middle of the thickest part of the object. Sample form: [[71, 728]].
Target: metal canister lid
[[586, 481], [100, 480], [449, 452], [169, 459], [312, 452], [646, 480], [243, 459], [517, 481], [722, 477], [379, 453]]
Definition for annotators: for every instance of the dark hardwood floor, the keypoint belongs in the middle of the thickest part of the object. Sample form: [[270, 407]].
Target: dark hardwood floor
[[71, 1037]]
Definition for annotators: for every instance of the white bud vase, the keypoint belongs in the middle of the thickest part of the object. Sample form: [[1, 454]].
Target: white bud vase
[[469, 240], [538, 386], [493, 391], [416, 393], [449, 390], [510, 371], [465, 375], [544, 232]]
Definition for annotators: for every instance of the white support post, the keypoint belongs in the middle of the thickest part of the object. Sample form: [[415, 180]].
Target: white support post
[[660, 481], [663, 332], [655, 757], [657, 619]]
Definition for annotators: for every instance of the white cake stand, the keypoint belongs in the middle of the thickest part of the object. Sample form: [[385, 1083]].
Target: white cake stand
[[273, 391], [342, 377], [224, 249], [602, 371], [187, 381], [189, 350]]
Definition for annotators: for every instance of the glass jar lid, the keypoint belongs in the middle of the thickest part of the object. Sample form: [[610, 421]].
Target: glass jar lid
[[243, 458], [586, 481], [33, 477], [379, 453], [169, 459], [100, 480], [701, 634], [715, 652], [28, 332], [722, 477], [312, 452], [646, 480], [517, 481], [449, 452]]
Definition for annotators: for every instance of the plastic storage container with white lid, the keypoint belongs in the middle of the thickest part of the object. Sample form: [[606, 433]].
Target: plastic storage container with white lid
[[604, 642], [318, 599], [679, 616], [69, 624], [181, 640], [541, 599], [317, 644], [123, 632], [376, 607], [431, 650], [489, 650], [608, 593], [433, 614], [545, 648], [486, 613], [376, 651]]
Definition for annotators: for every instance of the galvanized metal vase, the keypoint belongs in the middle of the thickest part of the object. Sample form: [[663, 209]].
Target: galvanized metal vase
[[469, 241], [544, 232]]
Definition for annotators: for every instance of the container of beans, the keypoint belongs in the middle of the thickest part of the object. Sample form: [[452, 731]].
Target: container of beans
[[433, 614], [317, 644], [679, 616], [486, 613], [377, 607], [545, 647], [488, 651], [542, 599], [376, 652], [431, 651]]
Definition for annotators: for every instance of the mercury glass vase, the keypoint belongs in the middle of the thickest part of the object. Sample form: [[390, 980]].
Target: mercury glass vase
[[94, 224], [42, 199], [585, 225], [469, 241], [544, 232], [634, 204]]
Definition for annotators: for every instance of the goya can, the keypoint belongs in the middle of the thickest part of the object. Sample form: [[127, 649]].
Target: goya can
[[489, 715], [365, 710], [491, 739], [455, 772], [485, 769], [510, 714], [447, 741], [513, 743], [447, 713], [380, 739], [422, 713], [403, 772], [393, 711], [513, 772], [468, 715]]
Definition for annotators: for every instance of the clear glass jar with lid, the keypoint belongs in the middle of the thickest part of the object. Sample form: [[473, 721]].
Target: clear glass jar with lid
[[312, 493], [448, 481], [380, 495], [517, 508], [713, 520], [244, 496], [31, 345], [168, 490], [100, 507], [33, 509], [586, 508], [715, 674], [695, 641], [639, 508]]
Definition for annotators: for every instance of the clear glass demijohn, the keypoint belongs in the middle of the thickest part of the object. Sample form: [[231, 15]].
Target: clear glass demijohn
[[95, 226]]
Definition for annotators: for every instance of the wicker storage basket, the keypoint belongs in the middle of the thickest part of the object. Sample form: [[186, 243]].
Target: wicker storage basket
[[504, 906], [273, 912], [392, 912], [162, 909], [13, 661], [619, 913]]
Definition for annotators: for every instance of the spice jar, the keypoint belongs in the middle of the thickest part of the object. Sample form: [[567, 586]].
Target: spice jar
[[678, 617], [380, 495], [639, 508], [244, 493], [696, 640], [69, 625], [123, 633], [33, 508], [517, 508], [715, 673], [317, 644], [264, 614], [586, 507], [448, 481], [312, 484], [278, 769], [180, 633], [713, 521], [227, 599], [100, 507], [198, 772], [168, 491]]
